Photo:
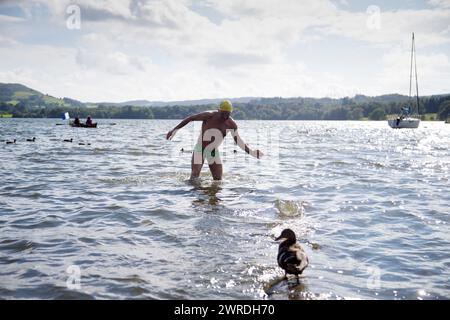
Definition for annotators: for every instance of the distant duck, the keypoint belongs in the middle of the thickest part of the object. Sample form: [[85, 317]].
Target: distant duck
[[31, 140], [68, 140], [182, 150], [11, 142], [234, 151], [291, 257]]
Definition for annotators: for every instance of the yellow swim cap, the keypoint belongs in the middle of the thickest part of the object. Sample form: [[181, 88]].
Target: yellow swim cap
[[226, 105]]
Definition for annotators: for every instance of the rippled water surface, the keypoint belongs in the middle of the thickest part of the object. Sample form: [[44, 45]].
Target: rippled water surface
[[369, 204]]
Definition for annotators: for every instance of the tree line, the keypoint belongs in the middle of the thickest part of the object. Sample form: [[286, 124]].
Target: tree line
[[357, 108]]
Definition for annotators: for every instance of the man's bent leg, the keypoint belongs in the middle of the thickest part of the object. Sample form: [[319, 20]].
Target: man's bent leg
[[215, 163], [196, 164], [216, 171]]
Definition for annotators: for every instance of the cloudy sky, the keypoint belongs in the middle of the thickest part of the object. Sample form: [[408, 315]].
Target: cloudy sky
[[192, 49]]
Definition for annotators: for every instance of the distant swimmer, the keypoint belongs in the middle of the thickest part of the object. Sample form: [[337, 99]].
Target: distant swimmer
[[216, 125], [291, 257]]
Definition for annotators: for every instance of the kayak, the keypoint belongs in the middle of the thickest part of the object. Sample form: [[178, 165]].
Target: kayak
[[82, 125]]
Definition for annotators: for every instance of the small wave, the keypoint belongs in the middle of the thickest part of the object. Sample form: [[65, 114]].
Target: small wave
[[375, 164], [147, 222], [32, 273], [143, 153], [88, 240], [340, 163], [135, 279], [38, 225], [17, 245], [290, 208], [99, 150], [290, 289], [139, 180]]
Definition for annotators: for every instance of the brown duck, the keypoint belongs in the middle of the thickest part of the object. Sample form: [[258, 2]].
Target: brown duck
[[291, 257]]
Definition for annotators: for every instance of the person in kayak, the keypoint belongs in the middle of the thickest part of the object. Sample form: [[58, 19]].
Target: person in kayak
[[89, 121], [215, 126]]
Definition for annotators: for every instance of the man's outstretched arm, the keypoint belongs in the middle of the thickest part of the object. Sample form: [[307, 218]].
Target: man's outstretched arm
[[196, 117], [237, 138]]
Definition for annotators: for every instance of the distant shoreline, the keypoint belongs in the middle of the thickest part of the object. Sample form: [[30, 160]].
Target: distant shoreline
[[177, 119], [24, 102]]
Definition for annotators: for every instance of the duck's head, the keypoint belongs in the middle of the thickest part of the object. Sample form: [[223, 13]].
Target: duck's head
[[287, 234]]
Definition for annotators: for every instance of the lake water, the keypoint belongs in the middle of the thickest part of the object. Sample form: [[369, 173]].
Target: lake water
[[369, 204]]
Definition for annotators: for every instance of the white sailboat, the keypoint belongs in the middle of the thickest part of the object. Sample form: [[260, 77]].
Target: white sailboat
[[407, 117]]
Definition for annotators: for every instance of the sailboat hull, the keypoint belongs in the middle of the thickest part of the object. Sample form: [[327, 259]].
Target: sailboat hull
[[410, 123]]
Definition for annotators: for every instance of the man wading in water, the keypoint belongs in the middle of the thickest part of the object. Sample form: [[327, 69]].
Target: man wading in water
[[216, 125]]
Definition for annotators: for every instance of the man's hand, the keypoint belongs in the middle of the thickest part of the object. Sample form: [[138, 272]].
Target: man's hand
[[171, 134], [256, 153]]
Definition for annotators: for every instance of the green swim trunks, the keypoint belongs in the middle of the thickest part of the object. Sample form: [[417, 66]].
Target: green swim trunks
[[212, 156]]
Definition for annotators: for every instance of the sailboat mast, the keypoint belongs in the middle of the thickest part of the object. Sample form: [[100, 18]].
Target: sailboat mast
[[410, 70], [415, 68]]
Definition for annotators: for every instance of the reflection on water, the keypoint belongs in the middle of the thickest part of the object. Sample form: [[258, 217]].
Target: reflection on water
[[295, 289], [207, 193], [369, 204]]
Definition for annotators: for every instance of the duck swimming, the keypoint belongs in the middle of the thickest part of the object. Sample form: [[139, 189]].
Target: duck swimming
[[11, 142], [68, 140], [291, 257], [31, 140]]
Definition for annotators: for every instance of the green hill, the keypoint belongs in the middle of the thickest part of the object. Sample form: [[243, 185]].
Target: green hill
[[14, 93]]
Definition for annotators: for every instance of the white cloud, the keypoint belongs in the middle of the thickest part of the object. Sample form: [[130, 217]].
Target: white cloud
[[116, 63], [440, 3], [262, 9], [165, 50], [114, 77], [10, 19], [6, 41], [433, 72], [58, 7], [97, 52], [395, 27]]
